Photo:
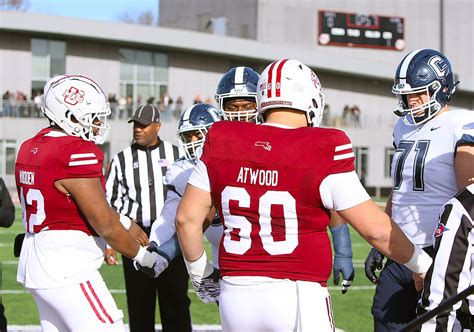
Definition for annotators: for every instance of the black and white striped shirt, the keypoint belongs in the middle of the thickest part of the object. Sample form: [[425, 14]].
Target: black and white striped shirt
[[135, 180], [452, 270]]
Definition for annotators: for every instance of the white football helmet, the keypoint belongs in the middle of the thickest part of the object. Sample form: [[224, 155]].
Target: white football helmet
[[288, 83], [78, 106]]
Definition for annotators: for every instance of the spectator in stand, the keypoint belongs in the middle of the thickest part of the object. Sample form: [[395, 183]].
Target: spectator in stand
[[129, 106], [21, 107], [166, 102], [7, 107], [326, 115], [197, 99], [37, 101], [113, 105], [355, 112], [122, 107], [178, 108], [346, 115]]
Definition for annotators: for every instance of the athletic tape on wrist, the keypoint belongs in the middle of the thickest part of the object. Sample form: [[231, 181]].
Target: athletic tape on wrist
[[420, 262], [199, 268]]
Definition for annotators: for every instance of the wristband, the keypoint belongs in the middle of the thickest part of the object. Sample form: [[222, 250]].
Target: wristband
[[199, 268], [125, 221], [420, 262], [170, 249], [140, 255]]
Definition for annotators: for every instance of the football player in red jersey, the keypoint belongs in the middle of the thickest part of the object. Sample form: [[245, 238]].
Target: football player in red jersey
[[66, 216], [274, 185]]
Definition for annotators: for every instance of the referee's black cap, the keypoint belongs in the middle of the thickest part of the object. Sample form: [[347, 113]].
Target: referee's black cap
[[146, 114]]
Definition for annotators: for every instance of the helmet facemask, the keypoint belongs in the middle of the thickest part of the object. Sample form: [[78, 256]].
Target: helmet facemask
[[238, 83], [420, 114], [246, 115], [195, 122], [185, 140]]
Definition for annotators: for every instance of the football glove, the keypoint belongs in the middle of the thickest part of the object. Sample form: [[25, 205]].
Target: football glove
[[373, 262], [160, 264], [205, 279], [17, 244], [341, 239]]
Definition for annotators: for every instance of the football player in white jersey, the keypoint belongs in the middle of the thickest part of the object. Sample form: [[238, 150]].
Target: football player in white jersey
[[192, 128], [434, 158]]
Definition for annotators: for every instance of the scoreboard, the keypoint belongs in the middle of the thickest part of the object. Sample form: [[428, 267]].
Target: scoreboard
[[359, 30]]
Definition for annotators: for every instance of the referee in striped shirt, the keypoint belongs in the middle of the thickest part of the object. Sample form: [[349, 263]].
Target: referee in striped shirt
[[135, 189], [452, 270]]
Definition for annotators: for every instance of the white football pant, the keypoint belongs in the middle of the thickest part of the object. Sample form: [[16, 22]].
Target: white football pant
[[84, 307], [266, 304]]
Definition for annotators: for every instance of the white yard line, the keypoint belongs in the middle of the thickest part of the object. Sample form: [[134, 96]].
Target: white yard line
[[122, 291]]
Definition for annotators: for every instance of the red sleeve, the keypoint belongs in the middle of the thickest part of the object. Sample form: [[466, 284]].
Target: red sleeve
[[80, 159], [341, 155]]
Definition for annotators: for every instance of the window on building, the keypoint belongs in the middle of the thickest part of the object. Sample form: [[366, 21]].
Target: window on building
[[48, 60], [361, 160], [7, 157], [143, 75], [389, 153]]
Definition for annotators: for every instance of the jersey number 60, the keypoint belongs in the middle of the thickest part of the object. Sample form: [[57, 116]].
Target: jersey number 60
[[244, 227]]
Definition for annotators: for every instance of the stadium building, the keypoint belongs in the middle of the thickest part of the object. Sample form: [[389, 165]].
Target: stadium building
[[353, 46]]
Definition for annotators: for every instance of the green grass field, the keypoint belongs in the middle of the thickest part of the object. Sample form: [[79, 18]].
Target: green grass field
[[351, 310]]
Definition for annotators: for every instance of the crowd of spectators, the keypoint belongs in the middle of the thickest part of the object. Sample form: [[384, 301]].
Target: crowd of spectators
[[18, 105]]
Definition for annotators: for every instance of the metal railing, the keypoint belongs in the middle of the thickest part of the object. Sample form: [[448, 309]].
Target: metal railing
[[28, 109]]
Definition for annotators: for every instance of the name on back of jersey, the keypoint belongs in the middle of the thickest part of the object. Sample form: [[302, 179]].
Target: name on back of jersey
[[26, 177], [260, 177]]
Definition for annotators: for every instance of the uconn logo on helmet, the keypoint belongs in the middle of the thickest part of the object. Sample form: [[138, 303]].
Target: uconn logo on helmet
[[439, 66]]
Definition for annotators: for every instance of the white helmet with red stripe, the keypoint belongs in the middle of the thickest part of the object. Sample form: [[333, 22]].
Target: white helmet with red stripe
[[288, 83], [78, 106]]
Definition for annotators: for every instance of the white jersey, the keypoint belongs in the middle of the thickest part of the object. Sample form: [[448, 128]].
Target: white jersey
[[423, 172], [164, 227]]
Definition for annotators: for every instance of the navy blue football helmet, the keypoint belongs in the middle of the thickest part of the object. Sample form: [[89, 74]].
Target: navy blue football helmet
[[195, 121], [423, 71], [238, 82]]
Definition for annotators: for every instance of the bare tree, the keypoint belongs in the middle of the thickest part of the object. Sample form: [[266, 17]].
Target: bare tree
[[145, 18], [21, 5]]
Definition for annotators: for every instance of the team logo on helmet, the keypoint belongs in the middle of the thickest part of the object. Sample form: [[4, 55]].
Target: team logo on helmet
[[73, 96]]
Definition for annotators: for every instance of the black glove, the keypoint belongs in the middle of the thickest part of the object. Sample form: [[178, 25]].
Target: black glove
[[159, 266], [17, 244], [374, 261]]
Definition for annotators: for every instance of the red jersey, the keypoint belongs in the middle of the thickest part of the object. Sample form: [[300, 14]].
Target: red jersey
[[265, 181], [47, 157]]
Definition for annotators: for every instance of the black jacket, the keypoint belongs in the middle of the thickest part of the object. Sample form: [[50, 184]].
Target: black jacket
[[7, 209]]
